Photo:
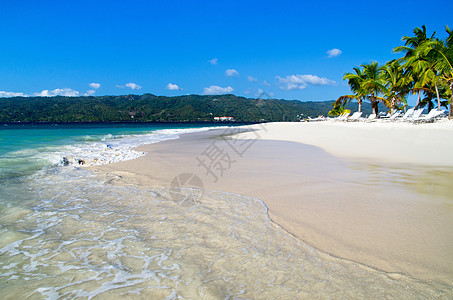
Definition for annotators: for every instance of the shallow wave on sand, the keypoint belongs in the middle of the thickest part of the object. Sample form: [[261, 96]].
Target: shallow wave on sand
[[70, 233]]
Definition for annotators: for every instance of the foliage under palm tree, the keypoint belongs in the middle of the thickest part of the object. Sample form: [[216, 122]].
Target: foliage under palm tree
[[339, 105]]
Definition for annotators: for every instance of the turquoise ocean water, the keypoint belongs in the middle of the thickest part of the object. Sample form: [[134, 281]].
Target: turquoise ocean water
[[27, 148], [66, 232]]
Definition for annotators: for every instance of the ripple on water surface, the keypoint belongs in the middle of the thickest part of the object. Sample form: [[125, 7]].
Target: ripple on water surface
[[72, 235]]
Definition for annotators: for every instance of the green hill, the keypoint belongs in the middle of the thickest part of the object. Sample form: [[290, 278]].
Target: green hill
[[151, 108]]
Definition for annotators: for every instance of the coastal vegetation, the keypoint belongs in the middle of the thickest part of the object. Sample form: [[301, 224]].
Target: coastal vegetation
[[151, 108], [425, 69]]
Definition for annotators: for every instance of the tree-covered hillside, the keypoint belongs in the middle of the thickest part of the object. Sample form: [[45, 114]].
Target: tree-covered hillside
[[151, 108]]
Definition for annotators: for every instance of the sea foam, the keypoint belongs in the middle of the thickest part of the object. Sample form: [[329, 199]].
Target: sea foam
[[112, 148]]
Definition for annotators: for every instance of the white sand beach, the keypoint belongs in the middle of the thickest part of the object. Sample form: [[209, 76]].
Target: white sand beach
[[374, 193], [377, 142]]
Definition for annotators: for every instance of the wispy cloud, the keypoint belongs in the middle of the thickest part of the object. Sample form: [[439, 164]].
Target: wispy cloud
[[266, 83], [4, 94], [300, 82], [217, 90], [334, 52], [214, 61], [58, 92], [67, 92], [133, 86], [252, 79], [90, 93], [231, 73], [130, 85], [173, 87], [94, 85]]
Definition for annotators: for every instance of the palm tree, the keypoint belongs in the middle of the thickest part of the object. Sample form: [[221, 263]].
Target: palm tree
[[423, 63], [411, 43], [442, 55], [398, 83], [354, 80], [409, 48], [373, 84], [355, 83], [366, 82]]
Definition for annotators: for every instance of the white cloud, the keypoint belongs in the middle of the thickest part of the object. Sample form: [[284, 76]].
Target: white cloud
[[231, 73], [266, 83], [173, 87], [252, 79], [133, 86], [4, 94], [130, 85], [48, 93], [217, 90], [94, 85], [213, 61], [90, 93], [300, 82], [334, 52], [57, 92]]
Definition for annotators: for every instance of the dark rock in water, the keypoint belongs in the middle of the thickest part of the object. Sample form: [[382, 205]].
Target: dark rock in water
[[66, 161], [81, 161]]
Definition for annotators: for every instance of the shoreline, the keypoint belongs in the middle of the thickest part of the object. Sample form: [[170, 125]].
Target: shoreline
[[327, 223]]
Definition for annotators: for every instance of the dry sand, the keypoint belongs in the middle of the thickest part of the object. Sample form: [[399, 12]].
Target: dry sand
[[386, 204], [377, 142]]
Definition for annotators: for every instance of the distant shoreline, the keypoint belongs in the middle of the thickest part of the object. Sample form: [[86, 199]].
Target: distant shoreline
[[132, 122], [151, 108]]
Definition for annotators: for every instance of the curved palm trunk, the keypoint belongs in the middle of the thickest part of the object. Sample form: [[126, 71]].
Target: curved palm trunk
[[450, 115], [418, 100], [430, 106], [360, 104], [374, 105], [438, 98]]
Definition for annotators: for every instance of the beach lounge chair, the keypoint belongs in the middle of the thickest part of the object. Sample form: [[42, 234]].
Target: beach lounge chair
[[384, 115], [319, 118], [430, 117], [343, 117], [408, 114], [371, 118], [395, 116], [337, 118], [355, 116], [417, 113]]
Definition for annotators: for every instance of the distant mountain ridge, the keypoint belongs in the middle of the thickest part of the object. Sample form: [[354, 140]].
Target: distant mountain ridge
[[152, 108]]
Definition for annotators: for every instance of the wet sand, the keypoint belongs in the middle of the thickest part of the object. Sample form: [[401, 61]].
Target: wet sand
[[375, 214]]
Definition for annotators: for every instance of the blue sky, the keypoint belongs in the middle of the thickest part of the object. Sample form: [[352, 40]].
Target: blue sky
[[200, 47]]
